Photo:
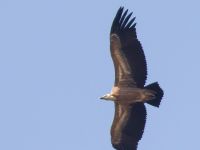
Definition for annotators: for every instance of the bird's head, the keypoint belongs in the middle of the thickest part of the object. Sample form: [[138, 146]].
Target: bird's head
[[108, 97]]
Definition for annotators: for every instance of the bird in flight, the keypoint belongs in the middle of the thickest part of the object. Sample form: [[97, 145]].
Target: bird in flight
[[129, 92]]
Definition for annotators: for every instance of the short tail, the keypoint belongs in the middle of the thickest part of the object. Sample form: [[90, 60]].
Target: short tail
[[159, 94]]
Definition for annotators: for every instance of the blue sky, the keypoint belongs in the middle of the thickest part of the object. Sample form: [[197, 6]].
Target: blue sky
[[55, 64]]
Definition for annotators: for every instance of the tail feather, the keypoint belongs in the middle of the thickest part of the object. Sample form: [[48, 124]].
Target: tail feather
[[159, 94]]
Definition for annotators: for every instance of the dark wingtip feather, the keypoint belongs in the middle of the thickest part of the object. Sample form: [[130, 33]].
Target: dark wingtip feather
[[122, 7], [130, 23], [116, 20], [126, 20], [122, 21], [123, 17]]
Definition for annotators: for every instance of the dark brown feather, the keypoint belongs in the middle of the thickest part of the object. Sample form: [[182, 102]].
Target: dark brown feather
[[131, 129], [123, 73], [130, 49]]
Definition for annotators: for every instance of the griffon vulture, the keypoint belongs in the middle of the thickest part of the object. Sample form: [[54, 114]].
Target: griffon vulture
[[129, 92]]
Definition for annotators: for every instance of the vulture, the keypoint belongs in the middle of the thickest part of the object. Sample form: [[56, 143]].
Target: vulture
[[129, 92]]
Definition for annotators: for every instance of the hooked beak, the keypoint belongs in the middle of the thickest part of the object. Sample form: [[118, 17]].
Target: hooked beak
[[102, 97]]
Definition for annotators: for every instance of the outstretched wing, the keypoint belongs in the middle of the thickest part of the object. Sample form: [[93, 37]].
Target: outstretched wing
[[128, 126], [126, 51]]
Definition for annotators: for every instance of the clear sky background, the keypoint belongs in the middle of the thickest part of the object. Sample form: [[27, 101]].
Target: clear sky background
[[55, 64]]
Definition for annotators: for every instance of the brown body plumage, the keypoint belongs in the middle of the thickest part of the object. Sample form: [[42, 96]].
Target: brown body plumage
[[129, 93]]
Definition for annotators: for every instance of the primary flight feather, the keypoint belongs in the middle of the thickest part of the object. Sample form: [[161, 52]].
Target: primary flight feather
[[129, 92]]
